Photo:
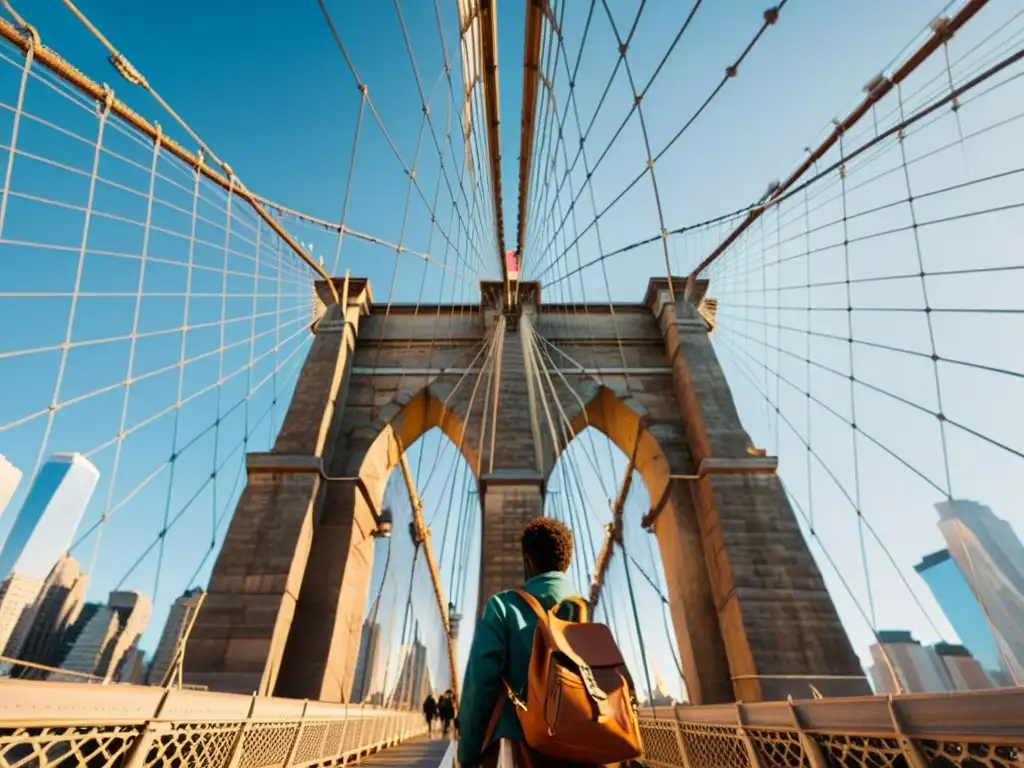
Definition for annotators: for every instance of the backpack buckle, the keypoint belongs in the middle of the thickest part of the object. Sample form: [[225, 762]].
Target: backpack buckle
[[516, 701], [590, 683]]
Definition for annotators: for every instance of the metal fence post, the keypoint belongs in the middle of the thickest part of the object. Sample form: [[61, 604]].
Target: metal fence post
[[748, 742], [810, 748], [680, 740], [915, 757], [236, 749], [341, 741], [298, 735], [139, 750]]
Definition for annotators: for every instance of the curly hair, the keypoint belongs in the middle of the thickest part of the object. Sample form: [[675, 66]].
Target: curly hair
[[548, 544]]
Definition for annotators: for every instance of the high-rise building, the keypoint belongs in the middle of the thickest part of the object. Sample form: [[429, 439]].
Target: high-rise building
[[132, 667], [73, 632], [919, 669], [414, 679], [46, 524], [958, 601], [10, 476], [108, 634], [991, 558], [366, 662], [658, 697], [174, 629], [39, 638], [935, 669], [17, 594], [965, 673]]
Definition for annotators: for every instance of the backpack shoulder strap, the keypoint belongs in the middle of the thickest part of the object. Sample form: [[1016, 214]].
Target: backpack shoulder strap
[[582, 608]]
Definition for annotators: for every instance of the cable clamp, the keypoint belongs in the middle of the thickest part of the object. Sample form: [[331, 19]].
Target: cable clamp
[[108, 99], [33, 36], [126, 70]]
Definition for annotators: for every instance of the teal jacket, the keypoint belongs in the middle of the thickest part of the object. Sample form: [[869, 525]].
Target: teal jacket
[[501, 648]]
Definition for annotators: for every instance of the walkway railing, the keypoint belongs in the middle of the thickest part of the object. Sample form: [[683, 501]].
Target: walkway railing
[[984, 728], [44, 724]]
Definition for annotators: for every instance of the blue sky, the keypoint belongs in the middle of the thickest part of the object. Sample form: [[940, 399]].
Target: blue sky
[[270, 92]]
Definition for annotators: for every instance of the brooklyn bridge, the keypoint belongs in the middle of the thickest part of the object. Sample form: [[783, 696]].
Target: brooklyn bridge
[[753, 334]]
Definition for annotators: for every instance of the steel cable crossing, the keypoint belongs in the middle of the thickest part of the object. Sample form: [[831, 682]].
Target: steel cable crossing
[[243, 302], [765, 298]]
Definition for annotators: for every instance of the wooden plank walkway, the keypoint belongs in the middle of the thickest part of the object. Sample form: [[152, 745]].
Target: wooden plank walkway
[[422, 752]]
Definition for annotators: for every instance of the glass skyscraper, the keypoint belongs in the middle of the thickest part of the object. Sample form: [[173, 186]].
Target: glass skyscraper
[[47, 522], [991, 559], [956, 599]]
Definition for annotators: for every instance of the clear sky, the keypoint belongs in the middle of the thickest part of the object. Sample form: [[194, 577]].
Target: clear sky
[[267, 88]]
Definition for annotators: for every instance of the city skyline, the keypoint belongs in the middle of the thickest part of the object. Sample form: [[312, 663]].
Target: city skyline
[[43, 624], [62, 633], [922, 669], [106, 639]]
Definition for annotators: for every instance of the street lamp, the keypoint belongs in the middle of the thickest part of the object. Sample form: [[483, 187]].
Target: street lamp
[[384, 524]]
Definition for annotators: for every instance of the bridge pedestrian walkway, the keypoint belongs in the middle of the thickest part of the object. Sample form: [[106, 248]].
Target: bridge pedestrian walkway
[[421, 752]]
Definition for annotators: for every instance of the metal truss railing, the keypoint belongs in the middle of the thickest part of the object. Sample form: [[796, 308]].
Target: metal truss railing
[[64, 724], [983, 728], [44, 724]]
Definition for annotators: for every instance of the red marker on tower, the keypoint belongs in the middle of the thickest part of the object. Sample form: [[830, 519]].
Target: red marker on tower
[[512, 265]]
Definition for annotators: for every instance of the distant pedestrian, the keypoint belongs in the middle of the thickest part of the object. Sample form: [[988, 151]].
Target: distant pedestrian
[[446, 711], [430, 712]]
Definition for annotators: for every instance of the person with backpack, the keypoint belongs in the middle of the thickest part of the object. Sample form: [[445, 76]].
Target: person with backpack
[[543, 678], [430, 712]]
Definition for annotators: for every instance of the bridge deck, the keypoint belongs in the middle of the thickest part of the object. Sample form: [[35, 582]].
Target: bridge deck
[[421, 752]]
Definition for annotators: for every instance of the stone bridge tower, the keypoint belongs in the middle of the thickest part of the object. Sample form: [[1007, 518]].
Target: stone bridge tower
[[286, 599]]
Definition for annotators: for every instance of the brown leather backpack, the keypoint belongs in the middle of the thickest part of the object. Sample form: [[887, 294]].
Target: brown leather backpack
[[579, 699]]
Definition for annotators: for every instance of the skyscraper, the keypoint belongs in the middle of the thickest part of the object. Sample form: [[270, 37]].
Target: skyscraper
[[658, 697], [174, 629], [991, 558], [46, 524], [919, 669], [935, 669], [965, 673], [17, 594], [10, 476], [132, 667], [38, 638], [73, 633], [109, 634], [958, 601], [414, 679], [366, 662]]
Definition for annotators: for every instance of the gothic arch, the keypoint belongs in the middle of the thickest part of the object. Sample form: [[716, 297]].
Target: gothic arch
[[322, 647], [623, 421], [661, 453]]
